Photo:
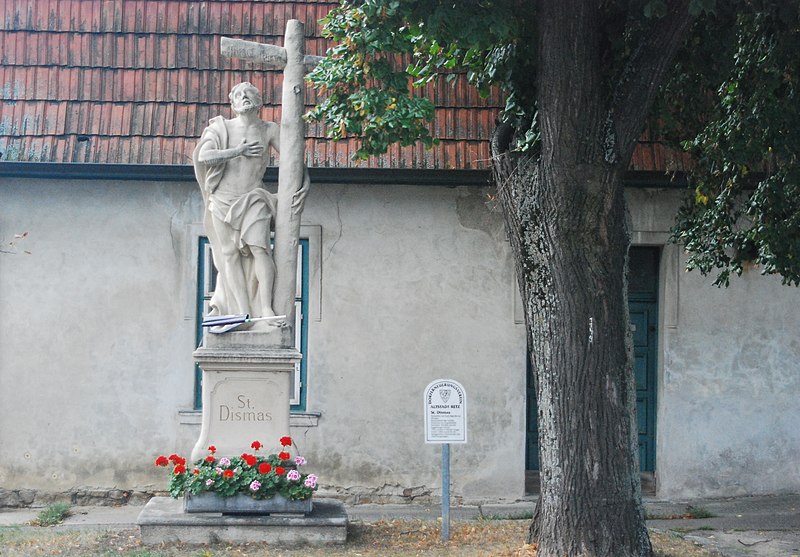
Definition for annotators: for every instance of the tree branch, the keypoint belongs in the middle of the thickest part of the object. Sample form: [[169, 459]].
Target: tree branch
[[644, 73]]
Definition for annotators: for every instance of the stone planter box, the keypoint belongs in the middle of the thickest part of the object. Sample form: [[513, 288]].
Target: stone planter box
[[243, 504]]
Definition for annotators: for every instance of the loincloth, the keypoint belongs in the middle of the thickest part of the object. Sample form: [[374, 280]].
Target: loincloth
[[249, 215]]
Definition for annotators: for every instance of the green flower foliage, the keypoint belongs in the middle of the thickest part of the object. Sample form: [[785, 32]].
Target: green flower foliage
[[260, 477], [745, 207]]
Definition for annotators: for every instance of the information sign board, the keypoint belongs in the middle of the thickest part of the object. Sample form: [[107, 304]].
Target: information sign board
[[445, 412]]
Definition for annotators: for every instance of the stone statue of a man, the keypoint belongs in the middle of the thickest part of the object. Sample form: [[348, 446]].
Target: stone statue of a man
[[229, 162]]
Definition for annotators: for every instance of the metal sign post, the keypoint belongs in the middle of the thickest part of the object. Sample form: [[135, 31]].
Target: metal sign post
[[445, 403]]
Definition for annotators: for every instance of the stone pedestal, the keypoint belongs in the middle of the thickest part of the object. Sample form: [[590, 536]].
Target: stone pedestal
[[163, 521], [246, 390]]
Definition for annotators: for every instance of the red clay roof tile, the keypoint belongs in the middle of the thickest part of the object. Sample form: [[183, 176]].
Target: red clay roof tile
[[136, 81]]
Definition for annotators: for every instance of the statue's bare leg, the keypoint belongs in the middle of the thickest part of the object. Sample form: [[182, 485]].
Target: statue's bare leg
[[265, 273], [232, 271]]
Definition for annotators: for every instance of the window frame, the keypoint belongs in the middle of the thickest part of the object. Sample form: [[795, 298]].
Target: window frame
[[206, 277]]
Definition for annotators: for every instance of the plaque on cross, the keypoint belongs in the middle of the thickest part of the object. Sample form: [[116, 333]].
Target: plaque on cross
[[291, 58]]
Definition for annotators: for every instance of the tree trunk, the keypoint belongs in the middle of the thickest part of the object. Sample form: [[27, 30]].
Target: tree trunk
[[565, 214], [567, 228]]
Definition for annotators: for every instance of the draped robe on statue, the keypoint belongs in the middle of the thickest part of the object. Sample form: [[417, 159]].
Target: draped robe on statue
[[248, 214]]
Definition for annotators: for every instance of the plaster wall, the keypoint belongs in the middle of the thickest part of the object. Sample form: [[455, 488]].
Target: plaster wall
[[417, 285], [409, 284], [96, 375], [729, 372], [97, 322], [729, 413]]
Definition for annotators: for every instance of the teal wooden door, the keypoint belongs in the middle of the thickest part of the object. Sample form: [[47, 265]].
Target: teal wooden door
[[643, 325], [643, 307]]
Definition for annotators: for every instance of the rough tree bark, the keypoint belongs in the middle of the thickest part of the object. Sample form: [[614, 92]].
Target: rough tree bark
[[572, 243], [565, 213]]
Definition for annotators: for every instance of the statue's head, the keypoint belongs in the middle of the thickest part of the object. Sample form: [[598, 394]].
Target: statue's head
[[245, 97]]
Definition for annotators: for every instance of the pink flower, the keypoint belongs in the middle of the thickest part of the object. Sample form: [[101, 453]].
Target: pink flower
[[255, 485], [299, 461], [224, 461], [311, 481], [293, 475], [209, 482]]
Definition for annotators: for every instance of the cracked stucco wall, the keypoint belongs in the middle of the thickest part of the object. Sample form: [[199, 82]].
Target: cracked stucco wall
[[415, 284], [96, 365], [729, 372]]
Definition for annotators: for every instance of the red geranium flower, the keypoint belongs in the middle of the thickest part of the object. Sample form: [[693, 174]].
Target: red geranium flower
[[283, 455], [175, 459], [195, 471], [280, 470], [286, 441], [264, 468], [210, 459], [212, 449], [227, 474], [255, 445], [162, 461], [179, 469], [249, 459]]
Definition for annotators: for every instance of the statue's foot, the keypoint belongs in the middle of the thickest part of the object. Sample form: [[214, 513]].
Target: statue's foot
[[280, 321], [269, 325], [274, 320]]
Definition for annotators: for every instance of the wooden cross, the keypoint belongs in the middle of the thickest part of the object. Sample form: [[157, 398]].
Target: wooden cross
[[295, 63]]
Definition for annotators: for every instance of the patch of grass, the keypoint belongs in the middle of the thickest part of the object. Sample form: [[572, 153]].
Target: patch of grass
[[698, 512], [691, 512], [52, 515], [527, 515]]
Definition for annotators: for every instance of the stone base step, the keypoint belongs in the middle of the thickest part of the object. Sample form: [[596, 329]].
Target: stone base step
[[163, 520]]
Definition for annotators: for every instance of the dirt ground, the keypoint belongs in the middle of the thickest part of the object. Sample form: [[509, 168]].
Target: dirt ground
[[396, 538]]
